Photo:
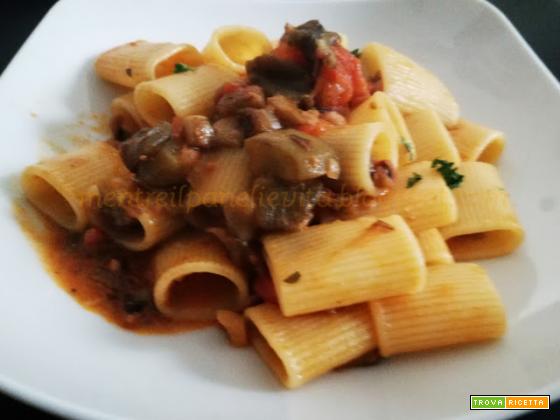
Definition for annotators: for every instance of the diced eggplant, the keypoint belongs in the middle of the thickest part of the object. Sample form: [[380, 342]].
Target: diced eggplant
[[289, 114], [278, 76], [255, 121], [154, 157], [283, 206], [198, 131], [251, 96], [292, 156]]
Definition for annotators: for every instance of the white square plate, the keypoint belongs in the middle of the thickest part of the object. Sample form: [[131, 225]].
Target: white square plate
[[56, 355]]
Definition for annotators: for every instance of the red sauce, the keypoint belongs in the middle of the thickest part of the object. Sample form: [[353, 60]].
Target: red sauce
[[107, 279]]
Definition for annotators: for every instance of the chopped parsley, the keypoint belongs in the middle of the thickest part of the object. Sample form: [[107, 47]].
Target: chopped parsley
[[449, 172], [409, 148], [413, 180], [181, 68], [356, 53]]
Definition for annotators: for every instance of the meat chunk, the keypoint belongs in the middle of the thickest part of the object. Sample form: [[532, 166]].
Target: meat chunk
[[198, 131], [250, 96], [383, 174], [255, 121], [289, 114], [284, 206], [228, 132]]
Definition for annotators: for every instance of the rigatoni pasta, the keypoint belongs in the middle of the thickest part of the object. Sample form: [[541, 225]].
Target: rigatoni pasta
[[221, 177], [298, 349], [139, 61], [125, 119], [476, 142], [425, 205], [59, 186], [194, 278], [434, 247], [310, 200], [458, 305], [381, 108], [369, 259], [180, 94], [233, 46], [410, 85], [487, 225], [357, 147], [134, 223], [430, 137]]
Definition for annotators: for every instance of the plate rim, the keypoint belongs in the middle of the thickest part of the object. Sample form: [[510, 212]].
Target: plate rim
[[42, 400]]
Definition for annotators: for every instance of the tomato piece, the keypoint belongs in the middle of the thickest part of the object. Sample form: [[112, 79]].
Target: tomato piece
[[343, 84], [264, 287], [360, 84], [315, 129], [93, 238], [230, 87], [285, 51]]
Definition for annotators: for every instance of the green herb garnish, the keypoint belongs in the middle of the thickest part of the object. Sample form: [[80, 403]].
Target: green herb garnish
[[413, 180], [409, 148], [356, 53], [181, 68], [449, 172]]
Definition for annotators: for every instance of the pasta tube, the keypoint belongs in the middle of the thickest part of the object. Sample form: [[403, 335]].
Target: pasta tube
[[300, 348], [233, 46], [476, 142], [195, 278], [380, 108], [487, 225], [235, 327], [431, 138], [180, 94], [139, 61], [356, 147], [434, 247], [58, 187], [220, 177], [458, 305], [134, 220], [427, 204], [410, 85], [124, 116], [369, 259]]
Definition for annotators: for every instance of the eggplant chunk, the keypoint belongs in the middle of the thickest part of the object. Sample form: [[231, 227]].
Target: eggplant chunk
[[255, 121], [291, 155], [283, 206], [154, 158]]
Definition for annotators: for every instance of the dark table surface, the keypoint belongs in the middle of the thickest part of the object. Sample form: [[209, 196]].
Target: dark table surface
[[537, 20]]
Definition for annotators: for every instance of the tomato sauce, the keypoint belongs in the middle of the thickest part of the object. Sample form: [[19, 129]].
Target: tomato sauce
[[102, 277]]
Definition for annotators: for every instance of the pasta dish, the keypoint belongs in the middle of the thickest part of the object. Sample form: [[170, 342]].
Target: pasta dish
[[320, 204]]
